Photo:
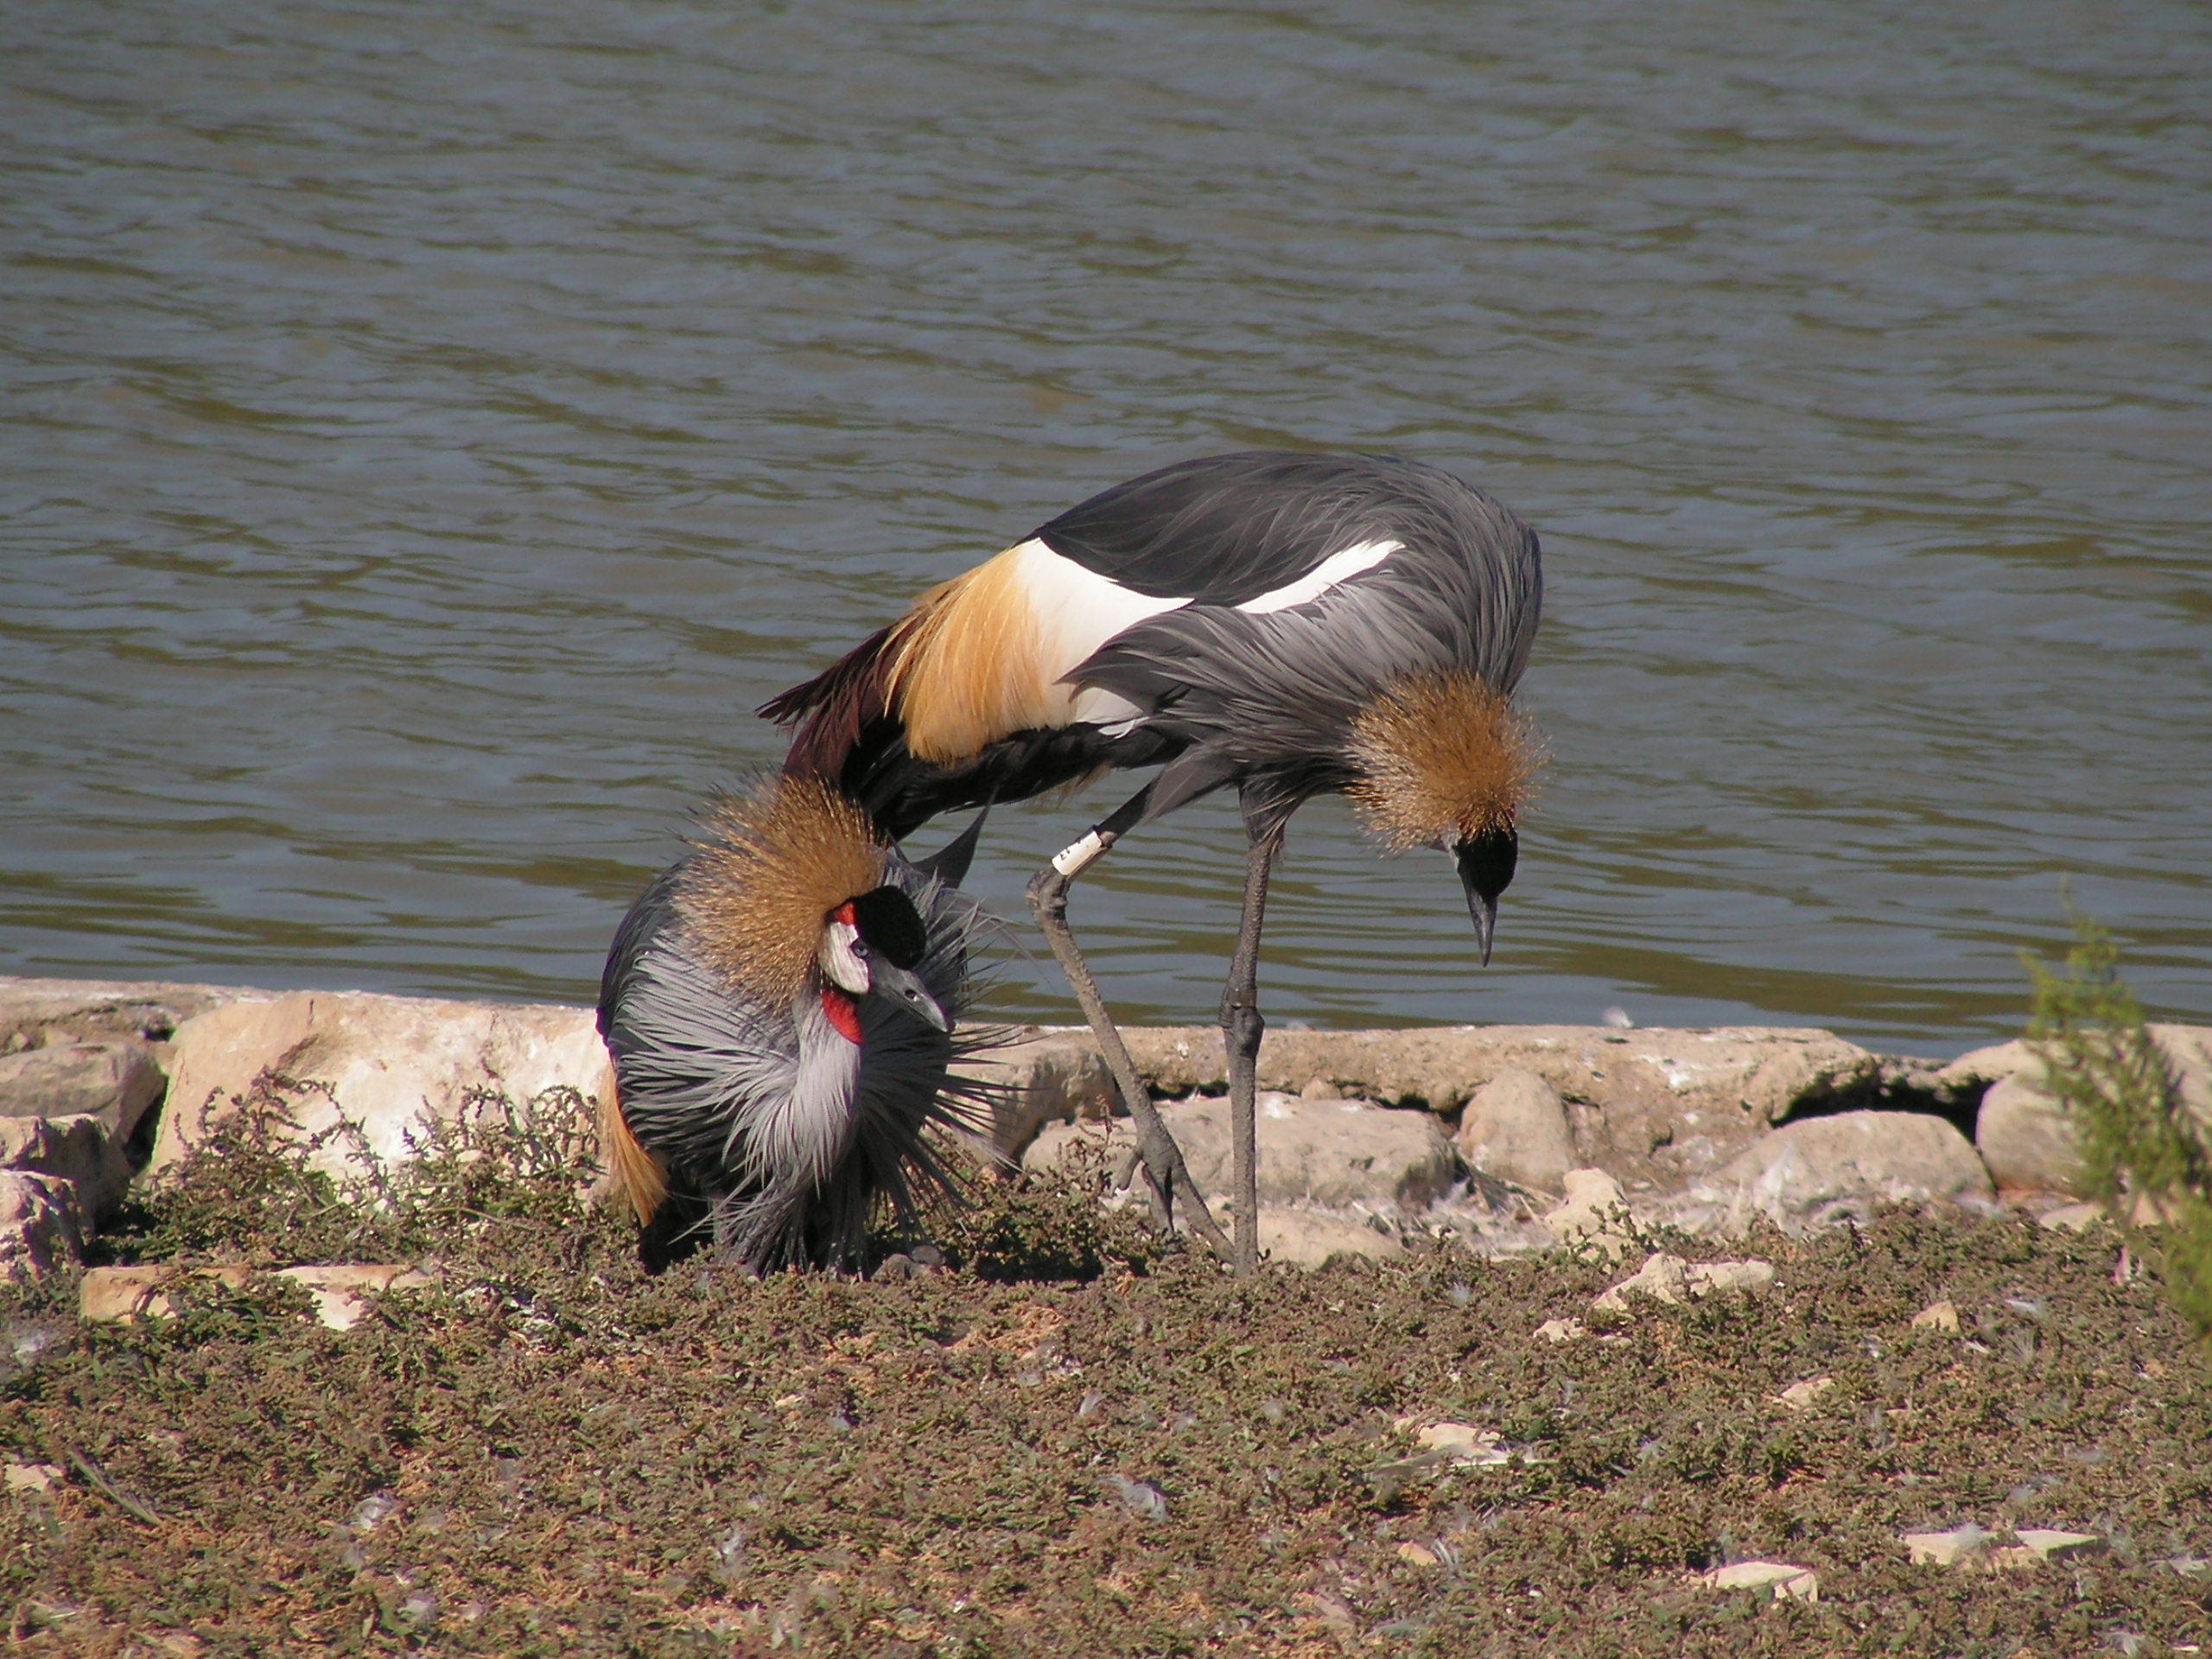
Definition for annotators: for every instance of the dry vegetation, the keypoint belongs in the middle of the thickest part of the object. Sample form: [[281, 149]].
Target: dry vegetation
[[1072, 1443]]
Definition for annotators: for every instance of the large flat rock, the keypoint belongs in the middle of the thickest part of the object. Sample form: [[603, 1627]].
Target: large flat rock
[[1333, 1152], [379, 1061], [34, 1012], [1657, 1108], [1819, 1168]]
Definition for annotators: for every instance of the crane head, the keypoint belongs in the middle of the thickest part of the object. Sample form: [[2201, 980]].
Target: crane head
[[873, 944], [1486, 860], [1447, 762]]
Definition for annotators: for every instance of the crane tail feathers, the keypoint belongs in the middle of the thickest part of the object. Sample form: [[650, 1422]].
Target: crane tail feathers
[[834, 708], [963, 669], [634, 1177], [950, 862]]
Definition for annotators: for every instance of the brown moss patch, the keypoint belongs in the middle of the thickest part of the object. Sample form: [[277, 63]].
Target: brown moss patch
[[554, 1454]]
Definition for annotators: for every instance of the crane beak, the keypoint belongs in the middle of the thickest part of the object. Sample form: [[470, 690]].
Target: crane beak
[[904, 986], [1486, 862], [1484, 911]]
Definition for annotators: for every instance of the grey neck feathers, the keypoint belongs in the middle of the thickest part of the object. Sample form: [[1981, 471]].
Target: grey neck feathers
[[803, 1136]]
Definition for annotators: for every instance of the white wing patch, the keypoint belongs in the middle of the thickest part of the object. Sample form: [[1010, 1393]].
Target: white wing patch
[[1079, 610], [1337, 567]]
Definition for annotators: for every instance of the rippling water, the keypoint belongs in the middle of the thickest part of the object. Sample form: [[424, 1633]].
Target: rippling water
[[428, 432]]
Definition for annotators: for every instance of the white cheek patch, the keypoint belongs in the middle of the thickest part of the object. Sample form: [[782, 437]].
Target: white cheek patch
[[1337, 567], [841, 965]]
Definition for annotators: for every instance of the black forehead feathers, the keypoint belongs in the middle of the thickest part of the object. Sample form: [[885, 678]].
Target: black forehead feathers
[[891, 925], [1486, 861]]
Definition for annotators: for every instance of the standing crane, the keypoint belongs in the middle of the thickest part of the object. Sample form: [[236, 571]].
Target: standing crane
[[1289, 623], [780, 1008]]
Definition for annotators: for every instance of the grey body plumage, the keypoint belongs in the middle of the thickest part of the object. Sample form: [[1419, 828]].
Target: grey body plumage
[[1268, 701], [1290, 624]]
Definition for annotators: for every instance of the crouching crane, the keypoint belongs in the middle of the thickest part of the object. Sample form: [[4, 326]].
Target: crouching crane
[[779, 1008], [1291, 624]]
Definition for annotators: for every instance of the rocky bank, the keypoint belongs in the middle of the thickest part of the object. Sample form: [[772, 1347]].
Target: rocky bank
[[1503, 1137]]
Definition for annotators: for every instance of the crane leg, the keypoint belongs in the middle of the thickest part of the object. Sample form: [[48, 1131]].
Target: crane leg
[[1242, 1027], [1164, 1170]]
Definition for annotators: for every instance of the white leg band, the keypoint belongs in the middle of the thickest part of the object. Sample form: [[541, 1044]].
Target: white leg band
[[1072, 862]]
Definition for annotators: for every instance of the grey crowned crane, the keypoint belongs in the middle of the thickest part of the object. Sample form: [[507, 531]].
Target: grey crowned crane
[[779, 1009], [1288, 623]]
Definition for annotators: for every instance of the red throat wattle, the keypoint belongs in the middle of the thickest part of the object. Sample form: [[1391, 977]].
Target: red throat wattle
[[838, 1008]]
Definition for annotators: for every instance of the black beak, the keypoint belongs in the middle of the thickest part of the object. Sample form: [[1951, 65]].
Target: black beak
[[1486, 864], [1484, 911], [904, 986]]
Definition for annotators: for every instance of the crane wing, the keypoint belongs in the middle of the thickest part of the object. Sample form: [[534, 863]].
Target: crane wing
[[1238, 530]]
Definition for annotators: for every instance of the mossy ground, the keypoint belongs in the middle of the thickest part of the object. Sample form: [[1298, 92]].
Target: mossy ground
[[551, 1453]]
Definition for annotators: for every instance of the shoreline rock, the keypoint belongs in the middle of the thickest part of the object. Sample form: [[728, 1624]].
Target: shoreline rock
[[380, 1062], [1369, 1137]]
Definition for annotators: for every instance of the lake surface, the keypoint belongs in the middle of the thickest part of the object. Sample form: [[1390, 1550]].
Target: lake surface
[[428, 432]]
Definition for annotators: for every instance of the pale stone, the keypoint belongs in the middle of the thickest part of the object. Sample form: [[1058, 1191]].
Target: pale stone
[[78, 1150], [1658, 1107], [1669, 1279], [1595, 1212], [1969, 1546], [41, 1227], [1334, 1151], [2023, 1133], [2187, 1048], [1982, 1067], [2072, 1217], [1515, 1129], [1559, 1330], [46, 1011], [1800, 1395], [113, 1081], [338, 1290], [383, 1060], [2049, 1544], [1728, 1278], [1417, 1555], [33, 1476], [1819, 1167], [125, 1295], [1663, 1277], [1046, 1077], [1960, 1544], [1465, 1442], [1937, 1316], [1306, 1238], [2025, 1138], [1776, 1579]]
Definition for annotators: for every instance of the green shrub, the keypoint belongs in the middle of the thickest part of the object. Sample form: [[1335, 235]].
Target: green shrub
[[499, 1178], [2143, 1153]]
